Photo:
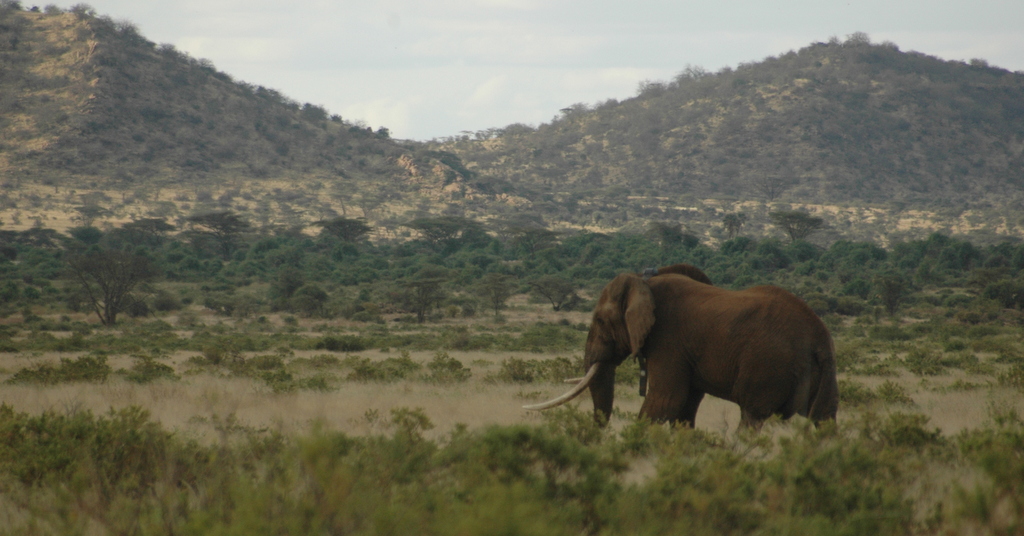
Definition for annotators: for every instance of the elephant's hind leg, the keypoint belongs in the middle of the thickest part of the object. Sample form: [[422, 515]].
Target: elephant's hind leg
[[689, 413], [749, 420]]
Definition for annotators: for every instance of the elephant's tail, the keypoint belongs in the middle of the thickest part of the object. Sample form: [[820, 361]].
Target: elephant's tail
[[826, 397]]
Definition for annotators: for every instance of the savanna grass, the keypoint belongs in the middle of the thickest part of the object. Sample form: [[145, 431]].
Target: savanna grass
[[121, 473]]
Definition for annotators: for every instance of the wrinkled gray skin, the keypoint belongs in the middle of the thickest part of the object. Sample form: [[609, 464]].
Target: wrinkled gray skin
[[761, 348]]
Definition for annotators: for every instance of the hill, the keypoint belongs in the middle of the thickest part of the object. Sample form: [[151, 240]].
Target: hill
[[88, 104], [837, 123], [99, 126]]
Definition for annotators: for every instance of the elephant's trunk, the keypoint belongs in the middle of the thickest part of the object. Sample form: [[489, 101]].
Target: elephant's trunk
[[571, 394]]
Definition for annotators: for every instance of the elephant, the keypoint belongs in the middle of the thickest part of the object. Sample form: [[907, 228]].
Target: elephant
[[762, 348]]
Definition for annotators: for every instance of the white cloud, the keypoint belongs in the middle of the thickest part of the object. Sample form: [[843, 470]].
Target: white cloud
[[258, 50], [490, 93], [385, 112]]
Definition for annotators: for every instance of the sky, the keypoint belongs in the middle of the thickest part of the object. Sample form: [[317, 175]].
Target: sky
[[435, 68]]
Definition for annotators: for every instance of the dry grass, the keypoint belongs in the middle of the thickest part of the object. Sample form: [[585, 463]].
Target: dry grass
[[198, 401]]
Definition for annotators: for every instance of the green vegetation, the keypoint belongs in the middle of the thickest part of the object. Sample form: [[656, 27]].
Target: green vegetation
[[325, 277], [83, 369], [121, 473]]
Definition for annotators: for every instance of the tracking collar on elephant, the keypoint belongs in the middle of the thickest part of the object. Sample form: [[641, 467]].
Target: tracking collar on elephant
[[642, 361]]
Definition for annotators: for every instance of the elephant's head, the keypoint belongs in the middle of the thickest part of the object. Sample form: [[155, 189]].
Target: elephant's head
[[623, 317]]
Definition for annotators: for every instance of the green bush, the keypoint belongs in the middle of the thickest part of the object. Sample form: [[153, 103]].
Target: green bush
[[388, 370], [446, 369], [1013, 377], [541, 337], [908, 430], [924, 362], [88, 368], [342, 343], [852, 394], [516, 370], [888, 332], [147, 370], [893, 393], [72, 473]]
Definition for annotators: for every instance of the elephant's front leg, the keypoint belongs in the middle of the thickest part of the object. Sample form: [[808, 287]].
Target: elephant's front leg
[[670, 398], [602, 391]]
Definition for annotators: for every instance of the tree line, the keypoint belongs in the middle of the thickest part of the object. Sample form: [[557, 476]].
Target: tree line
[[452, 266]]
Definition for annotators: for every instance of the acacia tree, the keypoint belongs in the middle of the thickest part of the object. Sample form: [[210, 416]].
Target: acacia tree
[[797, 224], [560, 292], [769, 187], [446, 234], [425, 290], [496, 289], [891, 288], [532, 239], [108, 278], [666, 233], [224, 227], [345, 229]]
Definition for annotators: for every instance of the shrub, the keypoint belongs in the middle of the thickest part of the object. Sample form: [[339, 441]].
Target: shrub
[[88, 368], [852, 393], [165, 301], [516, 370], [924, 362], [1014, 377], [389, 370], [147, 370], [446, 369], [219, 354], [541, 336], [908, 430], [893, 393], [888, 332], [342, 343], [849, 306]]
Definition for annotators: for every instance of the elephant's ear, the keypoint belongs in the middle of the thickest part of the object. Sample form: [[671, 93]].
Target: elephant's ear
[[638, 310]]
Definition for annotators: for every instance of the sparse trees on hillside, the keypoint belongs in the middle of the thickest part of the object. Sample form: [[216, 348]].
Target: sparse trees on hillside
[[532, 239], [666, 233], [770, 188], [447, 233], [732, 223]]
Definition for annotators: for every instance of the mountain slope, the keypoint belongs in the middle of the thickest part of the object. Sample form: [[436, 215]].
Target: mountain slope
[[100, 126], [833, 123], [86, 97]]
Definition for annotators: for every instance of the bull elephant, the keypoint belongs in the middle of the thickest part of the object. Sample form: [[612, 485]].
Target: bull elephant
[[762, 348]]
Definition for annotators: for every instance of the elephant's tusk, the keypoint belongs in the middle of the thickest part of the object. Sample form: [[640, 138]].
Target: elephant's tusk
[[573, 393], [573, 380]]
